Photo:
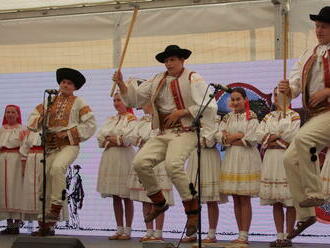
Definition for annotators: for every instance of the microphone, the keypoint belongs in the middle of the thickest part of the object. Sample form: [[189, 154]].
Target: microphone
[[52, 91], [222, 87]]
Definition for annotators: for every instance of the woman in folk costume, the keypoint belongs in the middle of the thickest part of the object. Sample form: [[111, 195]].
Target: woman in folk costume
[[210, 178], [141, 133], [240, 170], [275, 133], [116, 164], [32, 155], [11, 169], [70, 121]]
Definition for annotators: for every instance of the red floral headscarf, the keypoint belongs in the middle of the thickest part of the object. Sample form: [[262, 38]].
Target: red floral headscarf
[[19, 118]]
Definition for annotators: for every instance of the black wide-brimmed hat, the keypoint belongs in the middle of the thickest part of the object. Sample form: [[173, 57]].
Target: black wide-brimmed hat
[[173, 50], [323, 16], [71, 74], [77, 166]]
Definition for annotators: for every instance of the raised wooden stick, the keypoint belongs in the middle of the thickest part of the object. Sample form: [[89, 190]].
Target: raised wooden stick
[[285, 56], [125, 47]]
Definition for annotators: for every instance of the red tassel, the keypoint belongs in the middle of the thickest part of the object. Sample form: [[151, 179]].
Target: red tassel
[[130, 110]]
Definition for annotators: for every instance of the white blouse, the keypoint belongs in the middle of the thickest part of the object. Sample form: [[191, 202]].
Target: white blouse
[[30, 140], [237, 123], [275, 123], [141, 132], [120, 126], [11, 137]]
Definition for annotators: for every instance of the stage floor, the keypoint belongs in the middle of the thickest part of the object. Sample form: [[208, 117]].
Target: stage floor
[[6, 241]]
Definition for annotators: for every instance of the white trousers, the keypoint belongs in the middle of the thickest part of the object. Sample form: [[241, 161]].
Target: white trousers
[[303, 174], [172, 147], [57, 164]]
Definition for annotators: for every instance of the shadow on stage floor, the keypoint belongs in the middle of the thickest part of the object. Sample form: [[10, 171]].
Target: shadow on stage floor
[[6, 241]]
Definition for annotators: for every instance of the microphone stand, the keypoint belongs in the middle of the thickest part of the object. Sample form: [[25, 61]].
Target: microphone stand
[[43, 144], [197, 125]]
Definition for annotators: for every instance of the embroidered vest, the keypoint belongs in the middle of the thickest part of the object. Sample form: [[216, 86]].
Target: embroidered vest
[[306, 78], [181, 92], [60, 111]]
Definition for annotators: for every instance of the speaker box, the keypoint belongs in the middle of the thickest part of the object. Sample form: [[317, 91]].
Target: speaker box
[[155, 244], [53, 242]]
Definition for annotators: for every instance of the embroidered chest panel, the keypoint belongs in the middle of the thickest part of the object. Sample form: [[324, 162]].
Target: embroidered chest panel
[[60, 111]]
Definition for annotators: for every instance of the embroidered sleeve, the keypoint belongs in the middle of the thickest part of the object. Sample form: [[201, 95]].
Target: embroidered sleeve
[[198, 88], [291, 130], [84, 112], [221, 128], [103, 132], [138, 94], [262, 130], [195, 78], [250, 136], [295, 117], [131, 117], [24, 148], [208, 132], [266, 118], [86, 125], [35, 118], [295, 76], [225, 119], [134, 138], [128, 130], [253, 115]]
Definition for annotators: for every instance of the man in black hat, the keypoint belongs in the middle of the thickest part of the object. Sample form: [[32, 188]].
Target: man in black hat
[[311, 77], [70, 121], [175, 95]]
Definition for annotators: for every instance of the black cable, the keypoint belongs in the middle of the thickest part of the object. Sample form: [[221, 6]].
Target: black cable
[[43, 144], [193, 191]]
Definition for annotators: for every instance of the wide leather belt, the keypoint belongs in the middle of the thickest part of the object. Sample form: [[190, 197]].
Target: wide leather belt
[[316, 111], [54, 142], [162, 122]]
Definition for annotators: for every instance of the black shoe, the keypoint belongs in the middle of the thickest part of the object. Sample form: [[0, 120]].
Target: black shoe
[[281, 243], [10, 231], [301, 226]]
